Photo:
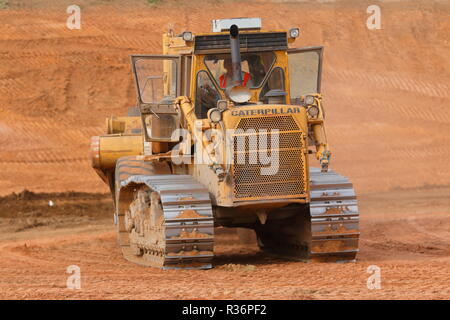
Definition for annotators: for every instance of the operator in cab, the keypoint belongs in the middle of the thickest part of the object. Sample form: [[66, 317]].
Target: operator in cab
[[226, 79]]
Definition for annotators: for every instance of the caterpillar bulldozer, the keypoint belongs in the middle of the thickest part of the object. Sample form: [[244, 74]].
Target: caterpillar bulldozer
[[222, 135]]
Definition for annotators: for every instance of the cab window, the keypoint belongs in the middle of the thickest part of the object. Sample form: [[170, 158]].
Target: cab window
[[304, 71], [206, 95], [156, 78], [255, 67], [274, 82]]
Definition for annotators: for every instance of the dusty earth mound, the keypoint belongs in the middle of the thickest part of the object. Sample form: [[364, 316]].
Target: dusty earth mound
[[386, 91], [28, 210], [387, 97]]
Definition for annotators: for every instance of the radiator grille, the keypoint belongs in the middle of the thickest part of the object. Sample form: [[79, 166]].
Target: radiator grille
[[268, 41], [283, 181]]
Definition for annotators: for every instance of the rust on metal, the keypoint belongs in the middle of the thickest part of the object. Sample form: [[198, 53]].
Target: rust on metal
[[190, 253], [188, 214], [333, 229], [191, 235], [335, 210]]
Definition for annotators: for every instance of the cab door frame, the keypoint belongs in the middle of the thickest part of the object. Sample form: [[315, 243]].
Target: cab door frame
[[165, 110], [162, 57], [319, 50]]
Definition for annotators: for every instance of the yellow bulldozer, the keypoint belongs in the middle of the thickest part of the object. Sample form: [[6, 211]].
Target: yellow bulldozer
[[221, 136]]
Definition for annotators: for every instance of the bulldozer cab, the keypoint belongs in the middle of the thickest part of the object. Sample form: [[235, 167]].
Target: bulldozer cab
[[279, 76]]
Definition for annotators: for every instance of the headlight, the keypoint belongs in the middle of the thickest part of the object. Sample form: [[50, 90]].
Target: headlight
[[188, 36], [309, 100], [294, 32], [222, 105], [313, 111], [239, 94], [214, 115]]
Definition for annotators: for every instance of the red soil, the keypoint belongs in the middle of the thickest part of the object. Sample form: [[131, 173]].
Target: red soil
[[387, 97]]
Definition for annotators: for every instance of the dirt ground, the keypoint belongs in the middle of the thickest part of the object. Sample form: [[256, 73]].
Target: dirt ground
[[400, 235], [387, 97]]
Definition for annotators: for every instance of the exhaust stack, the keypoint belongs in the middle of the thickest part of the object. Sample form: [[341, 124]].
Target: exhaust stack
[[235, 56]]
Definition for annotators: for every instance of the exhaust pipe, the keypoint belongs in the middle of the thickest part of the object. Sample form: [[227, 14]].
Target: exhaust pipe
[[235, 56], [237, 92]]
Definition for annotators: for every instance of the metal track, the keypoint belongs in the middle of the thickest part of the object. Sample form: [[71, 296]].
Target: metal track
[[334, 217], [326, 230], [183, 236]]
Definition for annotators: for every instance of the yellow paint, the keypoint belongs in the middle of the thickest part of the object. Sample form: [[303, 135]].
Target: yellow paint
[[119, 142], [115, 146]]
